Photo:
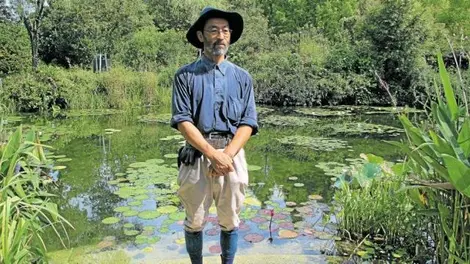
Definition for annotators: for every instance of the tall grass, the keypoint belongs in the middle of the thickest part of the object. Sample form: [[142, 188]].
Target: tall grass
[[25, 206]]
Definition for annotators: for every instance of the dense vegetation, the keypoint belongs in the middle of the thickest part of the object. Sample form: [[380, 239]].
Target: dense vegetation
[[302, 52]]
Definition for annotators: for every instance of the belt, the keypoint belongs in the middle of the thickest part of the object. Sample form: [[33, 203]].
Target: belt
[[218, 140]]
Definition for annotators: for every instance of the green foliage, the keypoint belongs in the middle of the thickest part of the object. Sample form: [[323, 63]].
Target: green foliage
[[439, 156], [53, 87], [25, 208], [396, 32], [179, 15], [76, 30], [372, 205], [14, 48], [149, 49]]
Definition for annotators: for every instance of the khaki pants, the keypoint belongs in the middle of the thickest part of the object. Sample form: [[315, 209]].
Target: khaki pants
[[198, 190]]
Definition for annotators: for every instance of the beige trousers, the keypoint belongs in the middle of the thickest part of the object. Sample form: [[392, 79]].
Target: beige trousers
[[198, 190]]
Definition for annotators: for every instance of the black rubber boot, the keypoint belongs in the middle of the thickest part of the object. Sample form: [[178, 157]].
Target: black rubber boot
[[226, 260]]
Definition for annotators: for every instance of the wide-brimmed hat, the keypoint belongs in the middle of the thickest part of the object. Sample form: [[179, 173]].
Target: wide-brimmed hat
[[234, 19]]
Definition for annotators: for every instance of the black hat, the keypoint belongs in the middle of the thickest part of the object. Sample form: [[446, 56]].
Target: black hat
[[234, 19]]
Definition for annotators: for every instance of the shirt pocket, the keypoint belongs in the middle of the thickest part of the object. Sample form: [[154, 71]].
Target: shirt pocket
[[234, 110]]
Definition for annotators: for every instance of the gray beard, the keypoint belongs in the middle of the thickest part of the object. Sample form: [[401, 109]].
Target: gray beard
[[216, 51]]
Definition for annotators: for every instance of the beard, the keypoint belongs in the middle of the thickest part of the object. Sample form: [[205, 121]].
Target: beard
[[214, 49]]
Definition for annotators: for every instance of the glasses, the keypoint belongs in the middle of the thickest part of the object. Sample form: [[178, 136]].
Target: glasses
[[215, 32]]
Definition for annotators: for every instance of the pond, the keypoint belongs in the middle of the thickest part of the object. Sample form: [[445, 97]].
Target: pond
[[115, 177]]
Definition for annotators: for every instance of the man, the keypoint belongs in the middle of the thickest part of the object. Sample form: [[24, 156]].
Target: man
[[213, 106]]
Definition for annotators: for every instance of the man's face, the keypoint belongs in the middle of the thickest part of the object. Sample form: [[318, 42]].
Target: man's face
[[215, 36]]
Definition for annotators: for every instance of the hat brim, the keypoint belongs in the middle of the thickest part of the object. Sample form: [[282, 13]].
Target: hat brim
[[234, 19]]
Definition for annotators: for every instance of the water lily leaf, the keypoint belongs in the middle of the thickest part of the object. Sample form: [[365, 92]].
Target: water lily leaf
[[215, 249], [135, 203], [176, 216], [291, 204], [64, 160], [138, 165], [128, 232], [164, 229], [315, 197], [253, 167], [213, 232], [120, 174], [149, 228], [122, 209], [298, 184], [128, 225], [180, 241], [147, 250], [253, 237], [289, 234], [252, 201], [259, 220], [142, 197], [59, 167], [293, 178], [130, 213], [171, 156], [167, 209], [149, 214], [110, 220]]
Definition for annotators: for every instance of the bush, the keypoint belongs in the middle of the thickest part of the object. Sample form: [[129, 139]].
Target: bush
[[54, 87]]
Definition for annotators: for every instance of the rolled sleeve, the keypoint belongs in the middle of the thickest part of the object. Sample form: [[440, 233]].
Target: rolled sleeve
[[249, 116], [181, 102]]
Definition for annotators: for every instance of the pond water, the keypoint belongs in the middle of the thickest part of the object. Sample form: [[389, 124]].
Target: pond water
[[118, 186]]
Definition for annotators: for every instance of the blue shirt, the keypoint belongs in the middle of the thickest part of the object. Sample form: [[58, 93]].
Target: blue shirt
[[215, 98]]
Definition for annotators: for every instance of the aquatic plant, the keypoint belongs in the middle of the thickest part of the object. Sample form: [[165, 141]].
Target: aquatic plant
[[26, 209]]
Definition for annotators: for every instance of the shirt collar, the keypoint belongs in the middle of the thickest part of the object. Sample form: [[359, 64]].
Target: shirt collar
[[222, 67]]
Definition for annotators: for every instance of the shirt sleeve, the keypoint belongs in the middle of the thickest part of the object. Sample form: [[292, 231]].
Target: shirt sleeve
[[249, 116], [180, 102]]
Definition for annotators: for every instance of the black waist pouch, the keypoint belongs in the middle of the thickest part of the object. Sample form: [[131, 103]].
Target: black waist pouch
[[187, 155]]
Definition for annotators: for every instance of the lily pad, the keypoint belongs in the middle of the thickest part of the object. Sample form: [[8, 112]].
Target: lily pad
[[291, 204], [289, 234], [315, 197], [149, 214], [129, 225], [110, 220], [315, 143], [253, 237], [142, 197], [171, 156], [135, 203], [252, 201], [122, 209], [59, 167], [176, 216], [299, 184], [213, 232], [167, 209], [293, 178], [130, 213], [253, 168], [64, 160], [129, 232], [215, 249]]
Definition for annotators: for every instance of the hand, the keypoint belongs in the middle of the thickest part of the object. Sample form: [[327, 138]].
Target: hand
[[221, 164]]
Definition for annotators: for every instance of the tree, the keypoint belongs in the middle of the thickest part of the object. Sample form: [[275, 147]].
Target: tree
[[76, 30], [179, 15], [31, 13], [397, 31]]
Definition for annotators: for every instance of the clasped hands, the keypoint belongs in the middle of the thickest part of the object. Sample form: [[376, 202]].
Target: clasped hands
[[221, 163]]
